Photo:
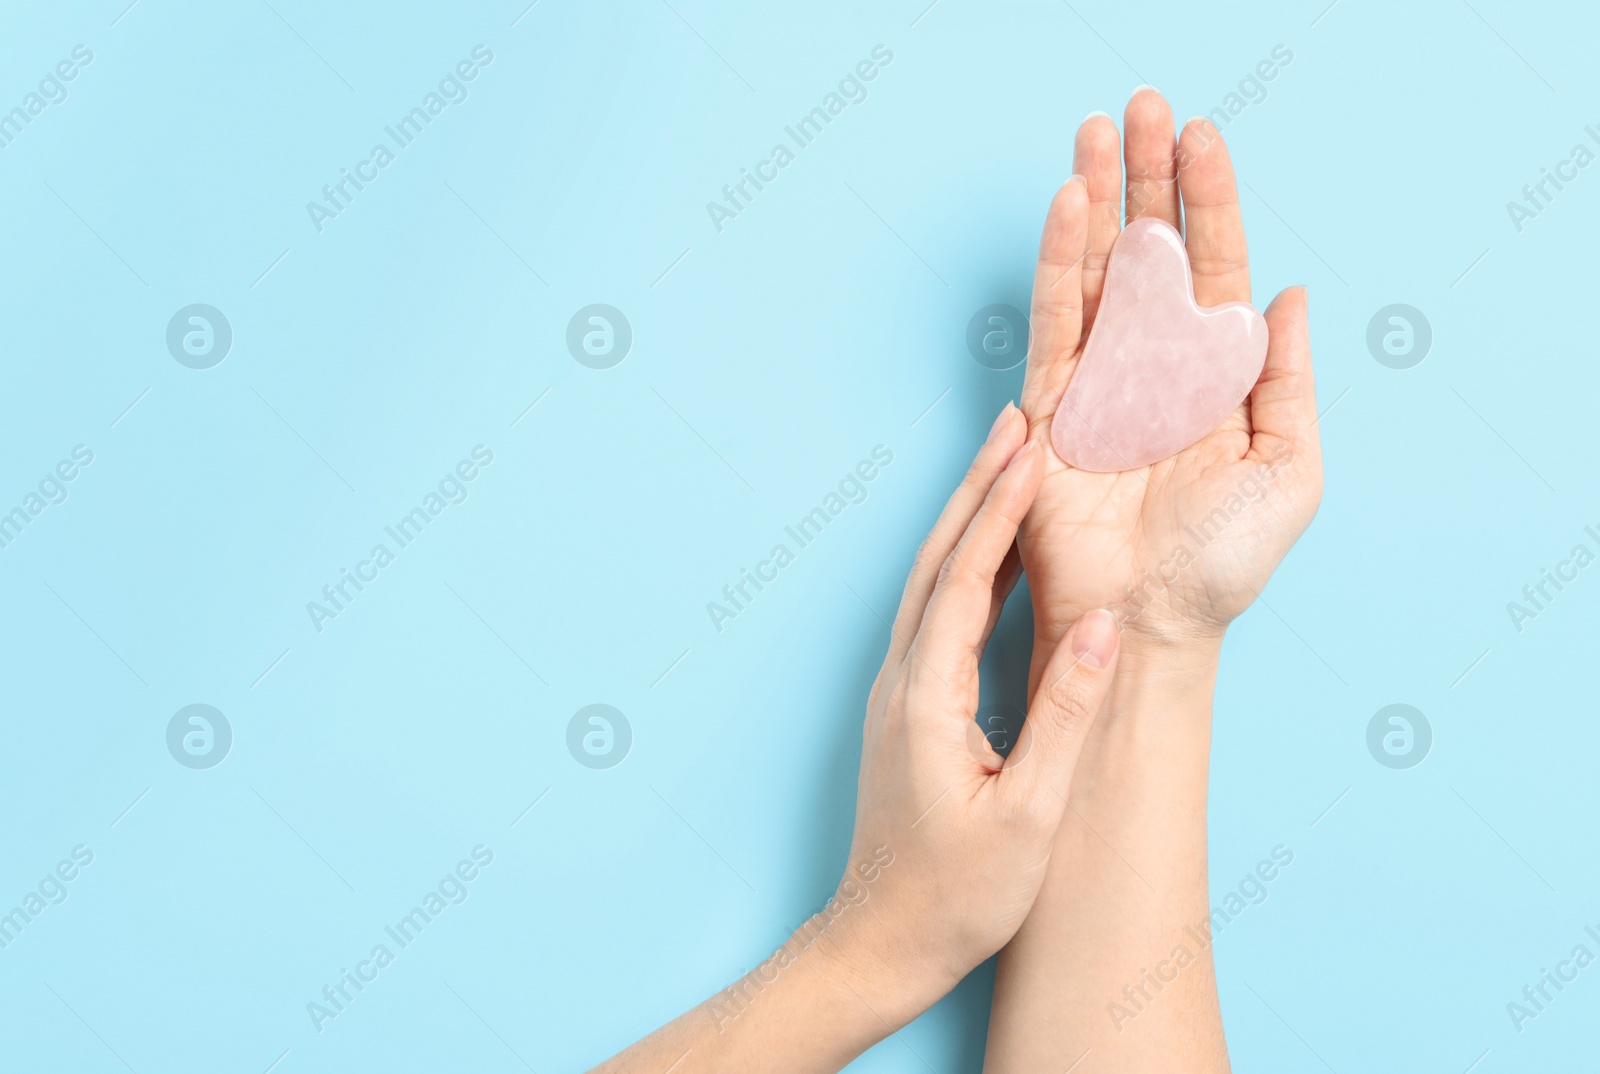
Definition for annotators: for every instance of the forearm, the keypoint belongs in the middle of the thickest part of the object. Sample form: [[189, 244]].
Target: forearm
[[1113, 964], [809, 1007]]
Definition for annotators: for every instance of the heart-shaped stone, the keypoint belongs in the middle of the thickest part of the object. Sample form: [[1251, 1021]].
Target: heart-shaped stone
[[1159, 372]]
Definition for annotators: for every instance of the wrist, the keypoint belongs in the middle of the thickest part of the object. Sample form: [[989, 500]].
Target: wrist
[[807, 998], [856, 980], [1159, 705], [1151, 742], [1141, 783], [1156, 659], [876, 957], [1180, 665]]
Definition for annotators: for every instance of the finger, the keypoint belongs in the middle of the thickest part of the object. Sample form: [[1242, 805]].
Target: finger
[[1005, 580], [1005, 437], [1056, 323], [1096, 155], [1150, 151], [1071, 691], [1283, 404], [1213, 226], [949, 640]]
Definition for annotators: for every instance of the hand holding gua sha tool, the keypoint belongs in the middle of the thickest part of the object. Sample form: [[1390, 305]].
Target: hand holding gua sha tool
[[1158, 372]]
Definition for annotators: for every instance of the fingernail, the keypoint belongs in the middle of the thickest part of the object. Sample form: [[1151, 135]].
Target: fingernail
[[1143, 86], [1000, 422], [1075, 177], [1095, 638], [1097, 112]]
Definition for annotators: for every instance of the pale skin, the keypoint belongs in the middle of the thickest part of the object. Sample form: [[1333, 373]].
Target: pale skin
[[1129, 870], [1083, 853], [951, 842]]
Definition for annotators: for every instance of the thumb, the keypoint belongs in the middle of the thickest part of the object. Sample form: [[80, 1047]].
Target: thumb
[[1283, 404], [1071, 690]]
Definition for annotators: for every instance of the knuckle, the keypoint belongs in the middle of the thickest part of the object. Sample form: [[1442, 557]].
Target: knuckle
[[940, 677], [1009, 509], [1069, 699], [930, 556], [982, 471], [897, 700], [986, 468], [959, 571], [1219, 265], [1068, 303]]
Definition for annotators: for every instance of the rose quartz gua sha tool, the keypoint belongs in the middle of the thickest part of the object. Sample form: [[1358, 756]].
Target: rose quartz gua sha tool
[[1159, 372]]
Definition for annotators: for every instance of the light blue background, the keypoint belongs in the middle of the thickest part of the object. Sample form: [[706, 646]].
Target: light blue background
[[822, 321]]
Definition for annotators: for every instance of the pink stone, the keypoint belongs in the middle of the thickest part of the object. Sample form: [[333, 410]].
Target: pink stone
[[1159, 372]]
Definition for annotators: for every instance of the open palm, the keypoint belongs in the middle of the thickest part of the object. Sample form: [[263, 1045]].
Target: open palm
[[1181, 547]]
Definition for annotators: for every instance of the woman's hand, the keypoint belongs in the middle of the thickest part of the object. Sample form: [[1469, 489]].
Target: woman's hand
[[951, 841], [958, 838], [1180, 548]]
